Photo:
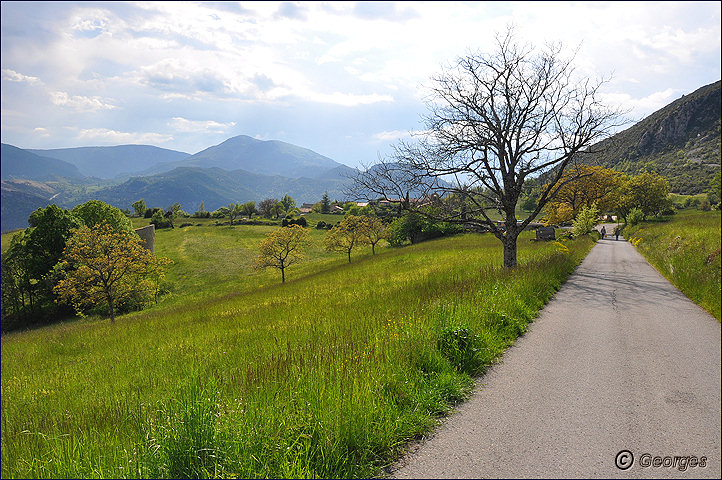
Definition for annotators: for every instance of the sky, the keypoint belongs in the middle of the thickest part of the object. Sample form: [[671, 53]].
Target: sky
[[345, 79]]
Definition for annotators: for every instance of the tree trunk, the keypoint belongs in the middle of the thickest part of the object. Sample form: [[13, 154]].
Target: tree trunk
[[111, 310], [283, 275], [349, 255], [509, 242], [373, 249]]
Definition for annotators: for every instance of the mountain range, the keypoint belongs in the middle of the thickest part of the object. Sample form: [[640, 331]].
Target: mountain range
[[239, 169], [680, 141]]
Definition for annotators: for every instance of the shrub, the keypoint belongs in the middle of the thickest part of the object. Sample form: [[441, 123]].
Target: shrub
[[161, 221], [321, 225], [635, 217], [585, 221]]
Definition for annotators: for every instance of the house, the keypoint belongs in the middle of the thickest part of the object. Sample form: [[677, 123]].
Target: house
[[306, 207]]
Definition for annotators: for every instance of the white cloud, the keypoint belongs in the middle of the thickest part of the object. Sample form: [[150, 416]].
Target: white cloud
[[347, 99], [43, 132], [79, 102], [13, 76], [209, 126], [115, 137]]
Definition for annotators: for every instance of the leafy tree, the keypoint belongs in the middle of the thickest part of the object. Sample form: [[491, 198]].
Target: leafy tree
[[139, 207], [45, 239], [345, 236], [201, 212], [27, 265], [288, 203], [325, 203], [248, 209], [282, 248], [713, 192], [161, 220], [221, 212], [529, 204], [494, 121], [176, 211], [585, 220], [582, 186], [106, 266], [648, 192], [94, 212], [373, 230], [277, 210], [234, 211], [265, 207]]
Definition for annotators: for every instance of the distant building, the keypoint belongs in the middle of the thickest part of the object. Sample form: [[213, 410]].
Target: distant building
[[306, 207]]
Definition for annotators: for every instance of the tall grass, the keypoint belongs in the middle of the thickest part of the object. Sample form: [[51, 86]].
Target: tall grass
[[686, 250], [325, 376]]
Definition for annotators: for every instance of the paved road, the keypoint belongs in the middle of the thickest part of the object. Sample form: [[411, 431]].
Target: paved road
[[618, 360]]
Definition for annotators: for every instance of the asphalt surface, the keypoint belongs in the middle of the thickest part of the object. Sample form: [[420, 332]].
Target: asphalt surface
[[618, 360]]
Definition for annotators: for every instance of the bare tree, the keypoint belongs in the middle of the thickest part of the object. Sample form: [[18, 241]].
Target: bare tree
[[494, 121]]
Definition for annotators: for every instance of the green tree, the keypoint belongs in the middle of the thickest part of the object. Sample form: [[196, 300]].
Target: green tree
[[586, 219], [28, 263], [139, 207], [648, 192], [288, 203], [345, 236], [234, 211], [713, 192], [105, 266], [248, 209], [94, 212], [282, 248], [265, 207], [582, 186], [325, 203], [373, 230]]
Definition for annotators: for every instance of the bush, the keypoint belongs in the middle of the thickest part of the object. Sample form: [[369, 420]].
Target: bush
[[321, 225], [635, 217], [585, 221], [294, 221], [705, 206], [161, 221]]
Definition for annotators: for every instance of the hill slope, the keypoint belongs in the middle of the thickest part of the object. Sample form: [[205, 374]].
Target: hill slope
[[23, 164], [215, 187], [270, 157], [118, 160], [680, 141]]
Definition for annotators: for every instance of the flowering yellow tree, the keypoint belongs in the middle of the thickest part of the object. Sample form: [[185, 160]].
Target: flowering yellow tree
[[582, 186], [282, 248], [107, 265]]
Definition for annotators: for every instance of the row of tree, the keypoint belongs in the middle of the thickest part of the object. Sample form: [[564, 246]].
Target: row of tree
[[76, 260], [286, 246], [611, 191]]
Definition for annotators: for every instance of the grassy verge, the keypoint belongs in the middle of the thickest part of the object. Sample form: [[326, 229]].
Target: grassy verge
[[325, 376], [686, 250]]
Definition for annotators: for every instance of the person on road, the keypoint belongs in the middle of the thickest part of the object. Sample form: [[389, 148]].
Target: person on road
[[616, 233], [604, 231]]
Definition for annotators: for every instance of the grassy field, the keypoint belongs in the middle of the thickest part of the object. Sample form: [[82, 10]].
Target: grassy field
[[237, 375], [686, 250]]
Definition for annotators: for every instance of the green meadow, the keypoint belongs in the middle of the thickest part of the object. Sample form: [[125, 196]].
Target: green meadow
[[686, 250], [235, 375]]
